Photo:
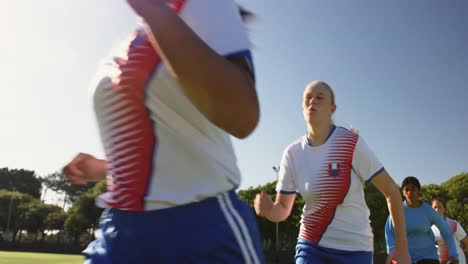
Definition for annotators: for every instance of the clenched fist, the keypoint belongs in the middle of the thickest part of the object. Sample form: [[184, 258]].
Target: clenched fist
[[85, 168], [263, 204]]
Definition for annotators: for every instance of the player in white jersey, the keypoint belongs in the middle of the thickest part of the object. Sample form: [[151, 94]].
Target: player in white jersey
[[459, 234], [328, 167], [167, 101]]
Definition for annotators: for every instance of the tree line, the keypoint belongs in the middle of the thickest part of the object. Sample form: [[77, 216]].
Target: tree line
[[22, 211]]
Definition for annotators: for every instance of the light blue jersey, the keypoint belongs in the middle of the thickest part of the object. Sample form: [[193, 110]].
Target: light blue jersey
[[421, 240]]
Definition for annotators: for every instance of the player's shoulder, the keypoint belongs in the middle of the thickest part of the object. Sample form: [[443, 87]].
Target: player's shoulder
[[134, 40], [343, 131], [452, 221], [295, 145], [428, 208], [426, 205], [345, 137]]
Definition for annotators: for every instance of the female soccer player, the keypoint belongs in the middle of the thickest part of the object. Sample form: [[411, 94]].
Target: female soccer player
[[460, 235], [419, 219], [167, 102], [328, 167]]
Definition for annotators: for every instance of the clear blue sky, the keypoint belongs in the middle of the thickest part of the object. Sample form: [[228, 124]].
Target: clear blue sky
[[399, 70]]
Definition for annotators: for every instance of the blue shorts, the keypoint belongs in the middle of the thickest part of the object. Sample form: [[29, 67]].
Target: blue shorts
[[308, 253], [220, 229]]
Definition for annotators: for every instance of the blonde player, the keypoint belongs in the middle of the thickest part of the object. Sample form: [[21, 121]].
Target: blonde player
[[328, 167]]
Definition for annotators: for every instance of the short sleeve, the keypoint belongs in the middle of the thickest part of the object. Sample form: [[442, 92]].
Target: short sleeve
[[437, 236], [219, 24], [460, 234], [365, 162], [445, 230], [287, 175]]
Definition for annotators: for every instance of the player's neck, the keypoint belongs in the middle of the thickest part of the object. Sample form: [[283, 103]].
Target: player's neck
[[318, 134], [413, 203]]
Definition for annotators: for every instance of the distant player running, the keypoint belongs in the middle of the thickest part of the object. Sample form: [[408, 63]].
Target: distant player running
[[328, 167], [167, 102], [459, 233], [419, 219]]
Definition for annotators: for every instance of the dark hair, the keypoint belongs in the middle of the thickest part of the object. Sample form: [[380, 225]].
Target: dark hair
[[410, 180], [440, 200]]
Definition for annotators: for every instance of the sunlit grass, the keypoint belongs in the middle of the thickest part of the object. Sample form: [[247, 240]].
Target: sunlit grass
[[38, 258]]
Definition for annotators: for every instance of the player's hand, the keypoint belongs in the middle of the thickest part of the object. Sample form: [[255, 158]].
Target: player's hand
[[85, 168], [398, 257], [263, 204]]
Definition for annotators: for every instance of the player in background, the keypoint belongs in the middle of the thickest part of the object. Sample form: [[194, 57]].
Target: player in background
[[460, 235], [328, 167], [419, 218], [167, 101]]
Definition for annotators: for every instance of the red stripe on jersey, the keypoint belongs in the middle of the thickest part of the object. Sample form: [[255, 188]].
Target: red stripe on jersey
[[333, 182], [442, 249], [126, 125], [177, 5]]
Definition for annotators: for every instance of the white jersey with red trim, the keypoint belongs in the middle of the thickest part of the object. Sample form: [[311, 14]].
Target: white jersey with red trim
[[442, 248], [161, 151], [330, 179]]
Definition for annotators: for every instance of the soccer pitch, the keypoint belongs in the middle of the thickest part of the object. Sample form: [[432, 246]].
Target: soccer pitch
[[38, 258]]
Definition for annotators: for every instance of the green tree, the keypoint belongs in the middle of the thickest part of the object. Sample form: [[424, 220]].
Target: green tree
[[33, 216], [56, 218], [457, 203], [431, 191], [12, 210], [455, 193], [75, 225], [22, 181], [378, 208], [84, 215], [58, 183], [288, 229]]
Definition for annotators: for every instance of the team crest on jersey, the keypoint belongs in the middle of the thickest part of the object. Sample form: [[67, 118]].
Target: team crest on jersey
[[334, 169]]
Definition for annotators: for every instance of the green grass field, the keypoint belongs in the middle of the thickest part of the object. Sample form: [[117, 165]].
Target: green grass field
[[38, 258]]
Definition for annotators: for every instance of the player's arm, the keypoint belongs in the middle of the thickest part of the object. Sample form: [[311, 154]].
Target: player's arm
[[460, 235], [274, 211], [464, 243], [385, 184], [221, 89]]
